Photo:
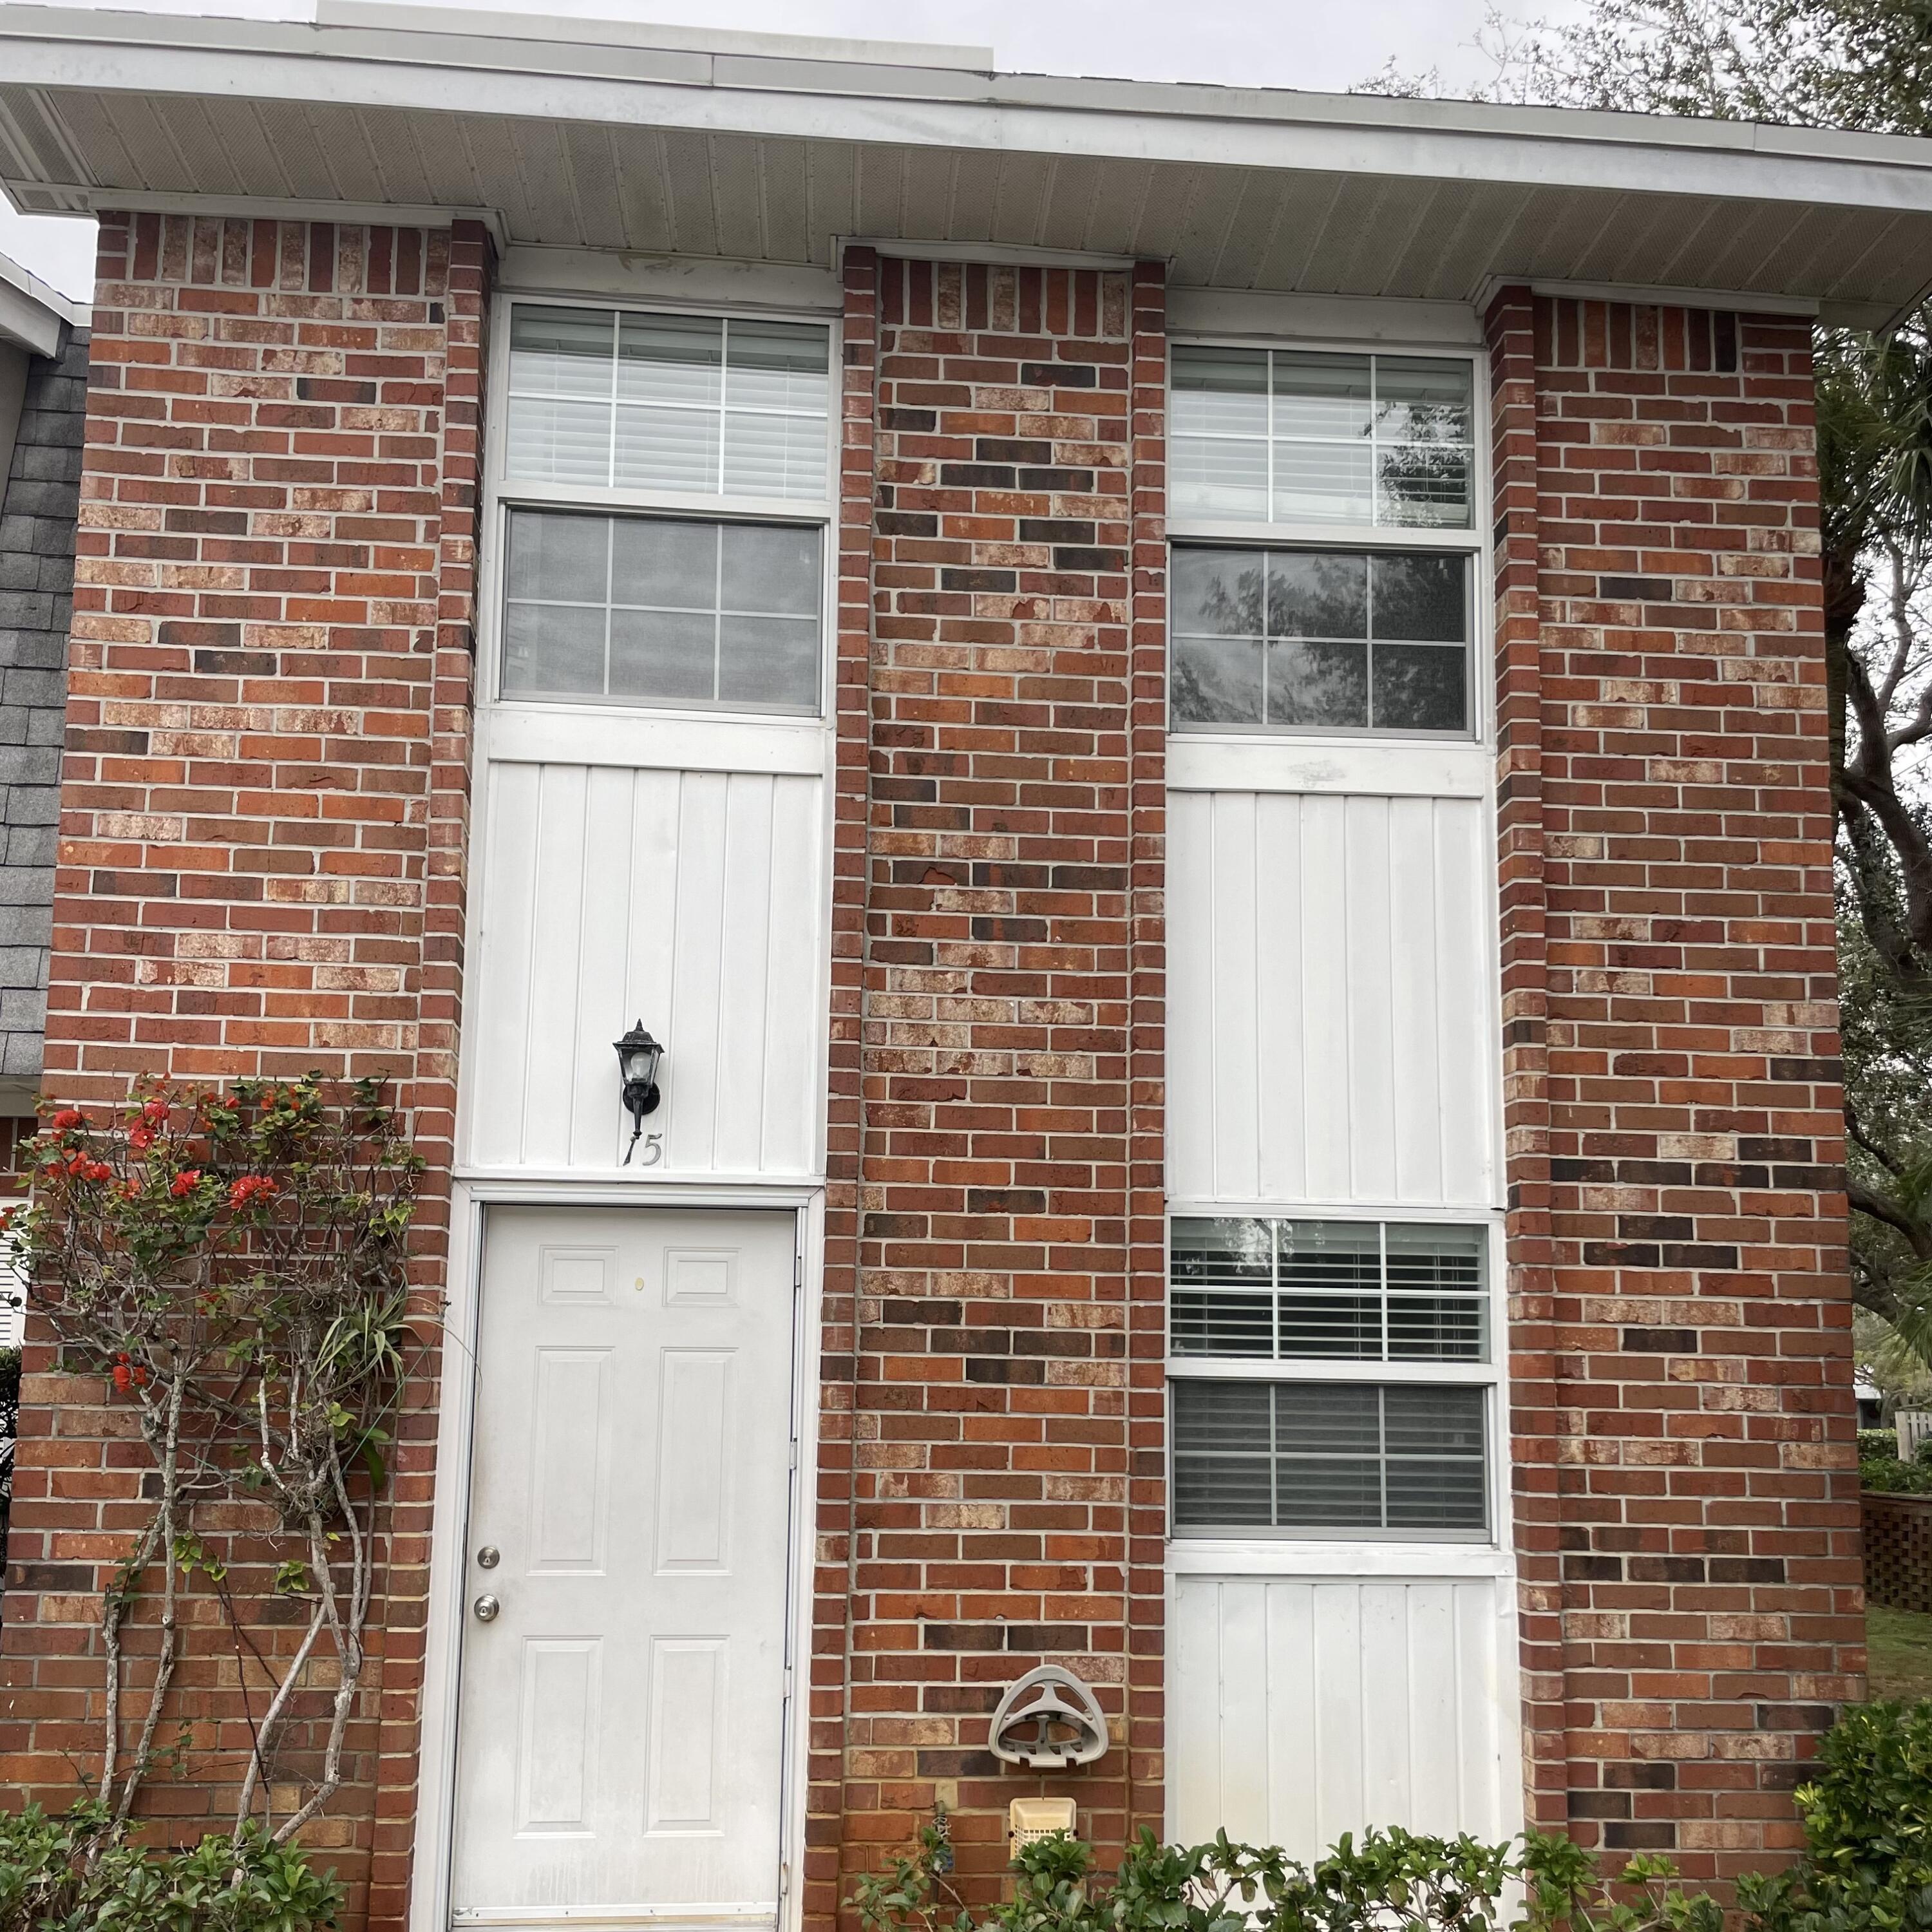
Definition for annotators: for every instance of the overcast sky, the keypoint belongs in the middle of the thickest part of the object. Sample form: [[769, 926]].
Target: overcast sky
[[1325, 45]]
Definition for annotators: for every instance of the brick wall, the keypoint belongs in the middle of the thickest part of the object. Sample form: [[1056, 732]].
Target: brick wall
[[1681, 1375], [261, 848], [39, 498], [997, 931]]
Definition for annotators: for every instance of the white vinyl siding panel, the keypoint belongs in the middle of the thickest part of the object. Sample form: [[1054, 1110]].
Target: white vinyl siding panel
[[1314, 1706], [1331, 1027], [692, 899]]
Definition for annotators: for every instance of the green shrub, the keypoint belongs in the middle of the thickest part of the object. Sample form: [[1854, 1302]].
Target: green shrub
[[1888, 1476], [1867, 1867], [1876, 1445], [77, 1872]]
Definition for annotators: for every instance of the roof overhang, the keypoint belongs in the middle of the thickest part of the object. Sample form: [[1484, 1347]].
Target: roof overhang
[[32, 314], [655, 141]]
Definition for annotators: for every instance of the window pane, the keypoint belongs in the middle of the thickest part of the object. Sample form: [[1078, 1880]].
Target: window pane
[[671, 358], [1425, 1495], [1221, 1250], [1420, 687], [779, 365], [1215, 683], [672, 640], [668, 656], [768, 661], [666, 449], [558, 558], [1215, 476], [1337, 1493], [1315, 686], [1422, 399], [1340, 1327], [1323, 483], [1216, 593], [774, 455], [1426, 1257], [552, 649], [1224, 1322], [1337, 1419], [1317, 395], [561, 352], [1434, 1421], [1219, 392], [548, 441], [1318, 594], [671, 566], [1419, 598], [771, 567], [1223, 1472], [1418, 483], [1322, 1255], [1434, 1328]]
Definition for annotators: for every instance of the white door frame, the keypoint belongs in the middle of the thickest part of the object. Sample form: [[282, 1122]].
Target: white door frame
[[449, 1570]]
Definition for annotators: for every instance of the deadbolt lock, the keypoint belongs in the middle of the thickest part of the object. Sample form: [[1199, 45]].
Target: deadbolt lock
[[489, 1556]]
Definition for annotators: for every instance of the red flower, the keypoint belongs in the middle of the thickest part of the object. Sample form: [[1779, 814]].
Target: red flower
[[155, 1112], [141, 1376], [123, 1375], [185, 1183], [77, 1163], [96, 1170], [251, 1189], [141, 1139], [68, 1117]]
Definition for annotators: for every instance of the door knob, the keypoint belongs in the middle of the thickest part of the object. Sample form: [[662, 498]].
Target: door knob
[[486, 1608]]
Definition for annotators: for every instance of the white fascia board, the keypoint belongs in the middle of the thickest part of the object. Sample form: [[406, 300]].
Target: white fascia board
[[31, 314], [824, 101]]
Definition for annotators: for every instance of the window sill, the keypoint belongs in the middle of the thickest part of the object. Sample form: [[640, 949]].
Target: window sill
[[1370, 1558], [1385, 768], [584, 734]]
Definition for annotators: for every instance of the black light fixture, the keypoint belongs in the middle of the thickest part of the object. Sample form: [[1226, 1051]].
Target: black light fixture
[[637, 1058]]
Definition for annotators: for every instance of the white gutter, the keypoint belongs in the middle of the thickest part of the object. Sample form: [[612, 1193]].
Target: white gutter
[[785, 96]]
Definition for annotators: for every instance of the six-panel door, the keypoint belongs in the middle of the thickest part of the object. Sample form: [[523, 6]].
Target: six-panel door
[[622, 1725]]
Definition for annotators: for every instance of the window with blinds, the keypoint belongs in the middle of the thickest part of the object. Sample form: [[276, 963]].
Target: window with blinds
[[622, 428], [1263, 1446], [1325, 507]]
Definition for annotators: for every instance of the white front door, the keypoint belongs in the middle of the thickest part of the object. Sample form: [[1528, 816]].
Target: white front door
[[621, 1731]]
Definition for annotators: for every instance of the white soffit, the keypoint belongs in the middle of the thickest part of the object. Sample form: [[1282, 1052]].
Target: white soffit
[[605, 136]]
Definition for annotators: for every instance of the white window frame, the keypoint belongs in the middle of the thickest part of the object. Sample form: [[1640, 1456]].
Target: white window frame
[[1475, 542], [629, 731], [1292, 1551]]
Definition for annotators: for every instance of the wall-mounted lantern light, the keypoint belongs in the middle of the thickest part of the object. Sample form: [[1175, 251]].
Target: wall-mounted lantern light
[[637, 1058]]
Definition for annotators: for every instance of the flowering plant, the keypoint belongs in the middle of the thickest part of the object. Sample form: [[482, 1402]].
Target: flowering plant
[[233, 1263]]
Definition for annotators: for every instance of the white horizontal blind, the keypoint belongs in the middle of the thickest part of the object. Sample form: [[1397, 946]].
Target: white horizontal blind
[[622, 399], [1306, 437]]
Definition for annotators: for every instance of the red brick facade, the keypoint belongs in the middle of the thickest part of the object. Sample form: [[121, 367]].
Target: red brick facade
[[263, 836], [1680, 1379], [999, 962]]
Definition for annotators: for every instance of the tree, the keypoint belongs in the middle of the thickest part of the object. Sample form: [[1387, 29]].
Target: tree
[[1864, 65]]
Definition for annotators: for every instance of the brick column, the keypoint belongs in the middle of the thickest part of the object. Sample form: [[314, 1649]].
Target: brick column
[[260, 861], [994, 1278], [1706, 1502]]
